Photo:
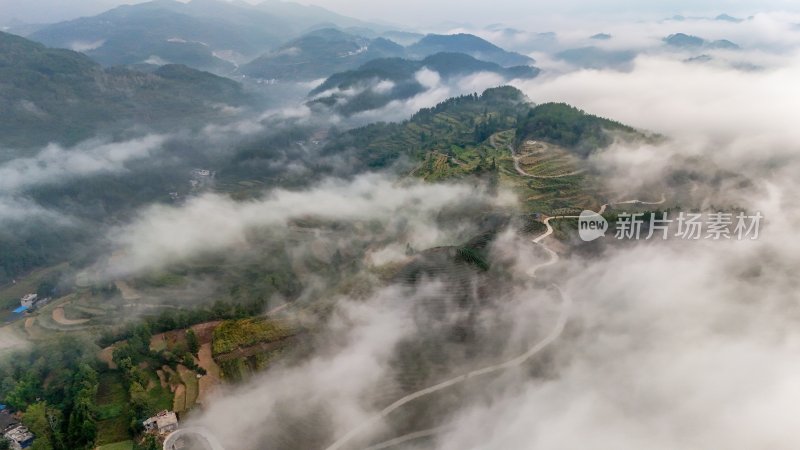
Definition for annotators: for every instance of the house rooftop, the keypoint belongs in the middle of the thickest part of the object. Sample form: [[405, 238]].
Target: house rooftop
[[162, 422], [19, 434]]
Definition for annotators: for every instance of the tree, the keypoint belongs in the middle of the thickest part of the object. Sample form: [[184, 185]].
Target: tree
[[150, 442], [82, 426], [192, 342], [140, 402], [35, 418]]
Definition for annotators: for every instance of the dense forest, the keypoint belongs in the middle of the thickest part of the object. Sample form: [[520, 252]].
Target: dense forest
[[567, 126]]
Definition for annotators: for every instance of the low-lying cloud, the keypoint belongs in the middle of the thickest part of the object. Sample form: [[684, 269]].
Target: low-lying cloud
[[55, 164], [210, 223]]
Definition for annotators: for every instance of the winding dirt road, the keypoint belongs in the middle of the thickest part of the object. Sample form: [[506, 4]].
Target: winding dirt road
[[554, 334], [545, 177], [520, 171]]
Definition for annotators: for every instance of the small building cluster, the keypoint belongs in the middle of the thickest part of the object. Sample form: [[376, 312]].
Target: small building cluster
[[162, 423], [18, 435], [29, 302]]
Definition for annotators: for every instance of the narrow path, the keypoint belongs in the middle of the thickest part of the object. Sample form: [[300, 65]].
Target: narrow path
[[519, 170], [545, 177]]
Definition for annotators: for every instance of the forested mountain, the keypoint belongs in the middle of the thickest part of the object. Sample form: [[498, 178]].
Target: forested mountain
[[569, 127], [460, 121], [56, 95], [381, 81], [682, 40], [469, 44], [318, 54]]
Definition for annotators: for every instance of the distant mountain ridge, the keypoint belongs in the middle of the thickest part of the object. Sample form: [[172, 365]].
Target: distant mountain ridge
[[205, 34], [682, 40], [321, 53], [381, 81], [318, 54], [468, 44]]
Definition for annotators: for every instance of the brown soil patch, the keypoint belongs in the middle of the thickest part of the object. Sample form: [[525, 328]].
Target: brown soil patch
[[204, 331], [29, 325], [162, 378], [210, 382], [168, 339], [107, 356], [179, 402], [128, 293]]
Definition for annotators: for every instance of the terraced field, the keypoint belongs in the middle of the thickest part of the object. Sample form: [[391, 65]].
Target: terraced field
[[543, 160], [561, 185]]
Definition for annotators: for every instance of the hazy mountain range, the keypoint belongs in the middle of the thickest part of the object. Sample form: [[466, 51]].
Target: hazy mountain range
[[380, 81]]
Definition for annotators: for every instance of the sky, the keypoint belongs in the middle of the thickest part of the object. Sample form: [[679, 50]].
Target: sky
[[415, 12]]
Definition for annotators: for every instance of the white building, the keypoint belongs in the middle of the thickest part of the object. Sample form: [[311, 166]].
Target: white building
[[164, 422], [19, 436], [28, 300]]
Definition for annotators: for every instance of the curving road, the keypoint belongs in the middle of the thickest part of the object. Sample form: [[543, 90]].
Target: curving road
[[555, 332], [519, 170], [561, 322], [526, 174]]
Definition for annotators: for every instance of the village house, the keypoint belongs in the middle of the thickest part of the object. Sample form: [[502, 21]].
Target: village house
[[28, 300], [18, 436], [164, 422]]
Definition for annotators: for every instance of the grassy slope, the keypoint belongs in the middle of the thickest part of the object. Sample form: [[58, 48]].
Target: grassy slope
[[112, 409]]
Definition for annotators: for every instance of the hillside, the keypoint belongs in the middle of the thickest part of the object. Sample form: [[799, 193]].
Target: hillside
[[569, 127], [458, 122], [319, 54], [372, 90], [55, 95], [469, 44], [682, 40]]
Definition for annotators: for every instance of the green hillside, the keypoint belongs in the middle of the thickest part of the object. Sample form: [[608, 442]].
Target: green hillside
[[56, 95], [567, 126]]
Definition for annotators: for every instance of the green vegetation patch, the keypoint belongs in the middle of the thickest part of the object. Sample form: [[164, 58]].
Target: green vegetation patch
[[562, 124], [124, 445], [234, 334], [113, 415]]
